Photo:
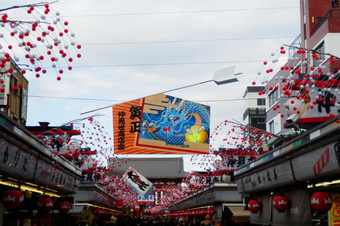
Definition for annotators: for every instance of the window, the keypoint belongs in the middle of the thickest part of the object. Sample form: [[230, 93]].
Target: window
[[335, 4], [261, 102], [14, 83], [320, 52], [271, 127], [273, 98]]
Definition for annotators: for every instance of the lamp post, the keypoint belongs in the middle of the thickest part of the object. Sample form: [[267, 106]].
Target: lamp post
[[222, 76]]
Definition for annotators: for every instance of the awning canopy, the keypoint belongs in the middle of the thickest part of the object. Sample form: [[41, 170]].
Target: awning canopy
[[239, 213]]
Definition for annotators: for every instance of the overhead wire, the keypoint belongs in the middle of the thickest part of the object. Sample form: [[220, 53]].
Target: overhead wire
[[184, 12], [115, 100]]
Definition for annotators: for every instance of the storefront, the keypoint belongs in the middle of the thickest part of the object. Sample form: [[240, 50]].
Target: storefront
[[95, 205], [296, 183], [34, 184], [221, 202]]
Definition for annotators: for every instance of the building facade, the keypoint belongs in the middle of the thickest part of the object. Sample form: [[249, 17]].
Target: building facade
[[297, 182]]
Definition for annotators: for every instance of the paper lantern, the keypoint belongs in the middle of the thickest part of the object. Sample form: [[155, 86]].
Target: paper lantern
[[98, 211], [137, 208], [205, 211], [321, 201], [254, 206], [280, 203], [12, 199], [91, 164], [45, 205], [63, 207], [211, 211], [74, 146], [200, 212]]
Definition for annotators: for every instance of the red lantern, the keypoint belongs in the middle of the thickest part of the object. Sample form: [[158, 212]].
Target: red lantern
[[321, 201], [99, 212], [45, 205], [201, 212], [280, 203], [205, 211], [63, 207], [254, 206], [211, 211], [12, 199], [137, 208]]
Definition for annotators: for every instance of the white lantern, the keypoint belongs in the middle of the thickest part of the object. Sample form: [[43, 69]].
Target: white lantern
[[91, 163], [74, 146]]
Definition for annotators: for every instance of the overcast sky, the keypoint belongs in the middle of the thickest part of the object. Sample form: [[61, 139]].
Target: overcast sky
[[135, 48]]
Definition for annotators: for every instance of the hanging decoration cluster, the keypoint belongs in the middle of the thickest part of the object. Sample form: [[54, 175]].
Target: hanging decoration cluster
[[195, 181], [232, 145], [45, 43], [89, 148], [309, 80]]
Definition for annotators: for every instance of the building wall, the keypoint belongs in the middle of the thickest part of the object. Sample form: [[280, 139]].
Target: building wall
[[14, 102]]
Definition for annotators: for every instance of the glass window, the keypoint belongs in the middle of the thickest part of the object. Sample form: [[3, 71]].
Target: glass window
[[261, 102], [335, 4], [273, 98], [320, 52], [271, 127]]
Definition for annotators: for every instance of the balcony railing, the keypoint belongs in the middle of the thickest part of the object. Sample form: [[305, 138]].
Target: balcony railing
[[331, 14]]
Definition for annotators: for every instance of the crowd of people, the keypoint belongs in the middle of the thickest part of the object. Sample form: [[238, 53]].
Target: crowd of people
[[123, 221]]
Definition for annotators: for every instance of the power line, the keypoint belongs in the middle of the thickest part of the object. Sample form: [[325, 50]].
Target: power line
[[122, 101], [188, 41], [167, 64], [183, 12], [71, 98]]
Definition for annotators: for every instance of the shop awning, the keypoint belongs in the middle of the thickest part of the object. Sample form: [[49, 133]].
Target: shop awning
[[238, 211], [239, 214]]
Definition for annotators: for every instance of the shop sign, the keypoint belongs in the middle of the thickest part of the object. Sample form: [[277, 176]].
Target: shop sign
[[138, 182], [148, 199], [16, 161], [48, 174], [103, 199], [335, 210], [199, 200], [274, 176], [120, 203], [84, 217], [317, 163]]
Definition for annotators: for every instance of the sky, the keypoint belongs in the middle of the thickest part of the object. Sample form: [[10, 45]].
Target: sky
[[136, 48]]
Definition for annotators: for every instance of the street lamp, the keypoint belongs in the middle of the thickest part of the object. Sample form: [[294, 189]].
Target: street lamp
[[222, 76]]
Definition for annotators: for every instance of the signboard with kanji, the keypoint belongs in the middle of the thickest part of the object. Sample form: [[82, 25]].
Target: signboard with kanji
[[335, 210], [138, 182], [161, 124]]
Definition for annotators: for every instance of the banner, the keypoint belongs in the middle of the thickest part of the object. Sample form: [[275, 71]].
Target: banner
[[161, 124]]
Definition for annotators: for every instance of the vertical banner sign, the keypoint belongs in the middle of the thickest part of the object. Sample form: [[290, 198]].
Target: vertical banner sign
[[161, 124], [335, 210], [138, 182]]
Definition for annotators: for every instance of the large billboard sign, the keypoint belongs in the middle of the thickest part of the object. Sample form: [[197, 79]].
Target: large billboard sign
[[161, 124]]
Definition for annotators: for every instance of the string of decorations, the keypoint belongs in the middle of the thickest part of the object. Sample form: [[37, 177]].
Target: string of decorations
[[46, 43]]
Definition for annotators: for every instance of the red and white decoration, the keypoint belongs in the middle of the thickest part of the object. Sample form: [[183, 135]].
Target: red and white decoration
[[45, 205], [254, 206], [211, 211], [12, 199], [281, 203], [63, 207], [321, 201]]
